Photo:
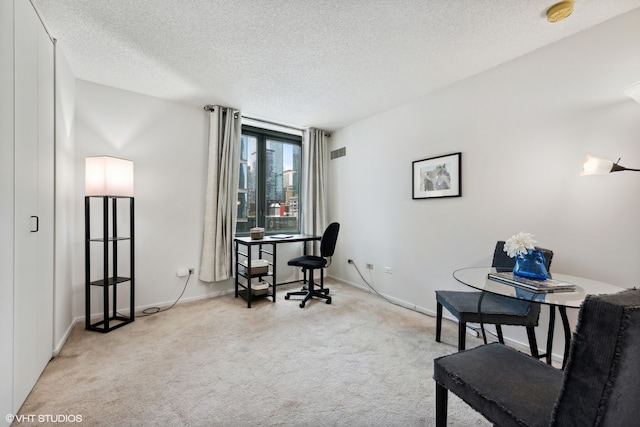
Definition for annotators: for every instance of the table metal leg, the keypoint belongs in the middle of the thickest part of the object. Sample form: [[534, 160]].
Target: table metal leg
[[567, 334], [274, 277], [552, 324], [484, 333], [236, 268], [550, 332]]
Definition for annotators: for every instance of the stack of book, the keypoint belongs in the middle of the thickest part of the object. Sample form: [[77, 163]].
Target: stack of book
[[549, 285]]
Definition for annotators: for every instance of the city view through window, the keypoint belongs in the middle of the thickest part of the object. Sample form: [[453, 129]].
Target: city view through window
[[269, 184]]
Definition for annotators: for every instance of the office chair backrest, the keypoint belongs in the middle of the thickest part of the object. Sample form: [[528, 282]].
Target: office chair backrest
[[329, 239], [602, 379], [502, 261]]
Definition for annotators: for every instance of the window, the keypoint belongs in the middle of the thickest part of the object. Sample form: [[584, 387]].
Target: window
[[269, 184]]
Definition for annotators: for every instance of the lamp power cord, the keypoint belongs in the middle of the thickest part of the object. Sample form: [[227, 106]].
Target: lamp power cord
[[155, 310], [476, 329]]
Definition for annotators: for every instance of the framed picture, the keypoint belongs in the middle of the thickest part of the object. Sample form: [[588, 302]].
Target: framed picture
[[437, 177]]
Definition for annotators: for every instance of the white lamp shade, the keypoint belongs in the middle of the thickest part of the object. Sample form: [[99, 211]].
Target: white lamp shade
[[108, 176], [595, 166]]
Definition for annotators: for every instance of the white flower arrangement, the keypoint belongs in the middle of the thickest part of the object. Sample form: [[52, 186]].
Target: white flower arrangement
[[519, 244]]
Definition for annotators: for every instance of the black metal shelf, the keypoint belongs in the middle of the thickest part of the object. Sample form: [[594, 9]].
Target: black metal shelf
[[110, 281], [244, 293], [246, 275], [244, 288], [109, 240], [109, 323]]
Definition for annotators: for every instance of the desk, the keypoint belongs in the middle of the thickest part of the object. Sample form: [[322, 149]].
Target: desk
[[244, 290], [476, 277]]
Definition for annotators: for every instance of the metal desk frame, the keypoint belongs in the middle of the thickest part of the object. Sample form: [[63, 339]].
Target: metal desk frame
[[245, 291]]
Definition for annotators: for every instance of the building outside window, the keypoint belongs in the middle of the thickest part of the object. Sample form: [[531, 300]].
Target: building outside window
[[269, 184]]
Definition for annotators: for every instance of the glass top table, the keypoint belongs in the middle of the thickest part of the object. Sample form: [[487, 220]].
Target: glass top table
[[477, 277]]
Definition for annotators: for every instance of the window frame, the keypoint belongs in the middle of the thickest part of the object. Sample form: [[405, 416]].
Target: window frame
[[262, 135]]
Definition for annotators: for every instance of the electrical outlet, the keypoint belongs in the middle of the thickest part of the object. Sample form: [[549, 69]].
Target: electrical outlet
[[369, 266], [388, 270], [182, 272]]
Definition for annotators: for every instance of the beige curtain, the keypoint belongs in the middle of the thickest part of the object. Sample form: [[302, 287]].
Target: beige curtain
[[314, 183], [221, 201]]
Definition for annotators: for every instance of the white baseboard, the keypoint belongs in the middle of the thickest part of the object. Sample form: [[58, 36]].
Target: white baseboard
[[161, 305], [518, 345], [63, 340]]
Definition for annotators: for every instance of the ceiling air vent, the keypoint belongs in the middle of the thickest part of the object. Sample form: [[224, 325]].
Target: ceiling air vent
[[340, 152]]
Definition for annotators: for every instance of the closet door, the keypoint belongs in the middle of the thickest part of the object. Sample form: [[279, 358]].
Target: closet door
[[33, 226], [6, 208]]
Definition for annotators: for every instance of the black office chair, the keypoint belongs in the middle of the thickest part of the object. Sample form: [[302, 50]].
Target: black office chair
[[597, 388], [496, 309], [312, 262]]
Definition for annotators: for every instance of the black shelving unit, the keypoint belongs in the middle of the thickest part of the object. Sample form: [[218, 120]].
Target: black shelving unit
[[244, 287], [110, 241]]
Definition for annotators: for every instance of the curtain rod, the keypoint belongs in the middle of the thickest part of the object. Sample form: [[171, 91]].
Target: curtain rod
[[273, 123], [212, 108]]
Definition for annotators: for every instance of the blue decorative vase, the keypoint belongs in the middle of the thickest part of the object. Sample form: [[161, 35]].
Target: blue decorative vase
[[531, 265]]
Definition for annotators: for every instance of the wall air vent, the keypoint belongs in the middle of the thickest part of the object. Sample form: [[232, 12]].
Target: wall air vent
[[340, 152]]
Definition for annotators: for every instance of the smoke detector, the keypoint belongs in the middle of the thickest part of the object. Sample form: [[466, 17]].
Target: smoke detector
[[559, 11]]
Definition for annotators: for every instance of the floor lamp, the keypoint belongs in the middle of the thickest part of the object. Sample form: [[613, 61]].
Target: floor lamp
[[109, 179]]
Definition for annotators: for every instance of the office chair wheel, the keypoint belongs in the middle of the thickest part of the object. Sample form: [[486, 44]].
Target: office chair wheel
[[302, 304], [287, 296], [328, 300]]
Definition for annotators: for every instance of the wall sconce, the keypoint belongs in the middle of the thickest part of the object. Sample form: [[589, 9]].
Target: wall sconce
[[108, 176], [633, 91], [595, 166]]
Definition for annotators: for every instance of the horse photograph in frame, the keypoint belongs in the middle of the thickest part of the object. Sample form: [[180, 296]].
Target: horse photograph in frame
[[437, 177]]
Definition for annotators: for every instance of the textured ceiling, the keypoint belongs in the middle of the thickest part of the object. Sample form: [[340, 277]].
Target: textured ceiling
[[321, 63]]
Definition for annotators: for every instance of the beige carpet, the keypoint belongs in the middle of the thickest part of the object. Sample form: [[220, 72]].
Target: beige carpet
[[360, 361]]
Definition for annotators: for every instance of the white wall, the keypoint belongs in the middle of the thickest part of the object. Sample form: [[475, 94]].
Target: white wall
[[523, 129], [65, 213], [167, 142]]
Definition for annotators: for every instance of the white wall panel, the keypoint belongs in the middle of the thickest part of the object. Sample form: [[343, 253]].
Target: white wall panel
[[523, 129], [33, 224], [6, 208]]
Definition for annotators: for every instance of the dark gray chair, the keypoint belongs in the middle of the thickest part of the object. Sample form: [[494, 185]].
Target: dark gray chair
[[598, 387], [496, 309], [312, 262]]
